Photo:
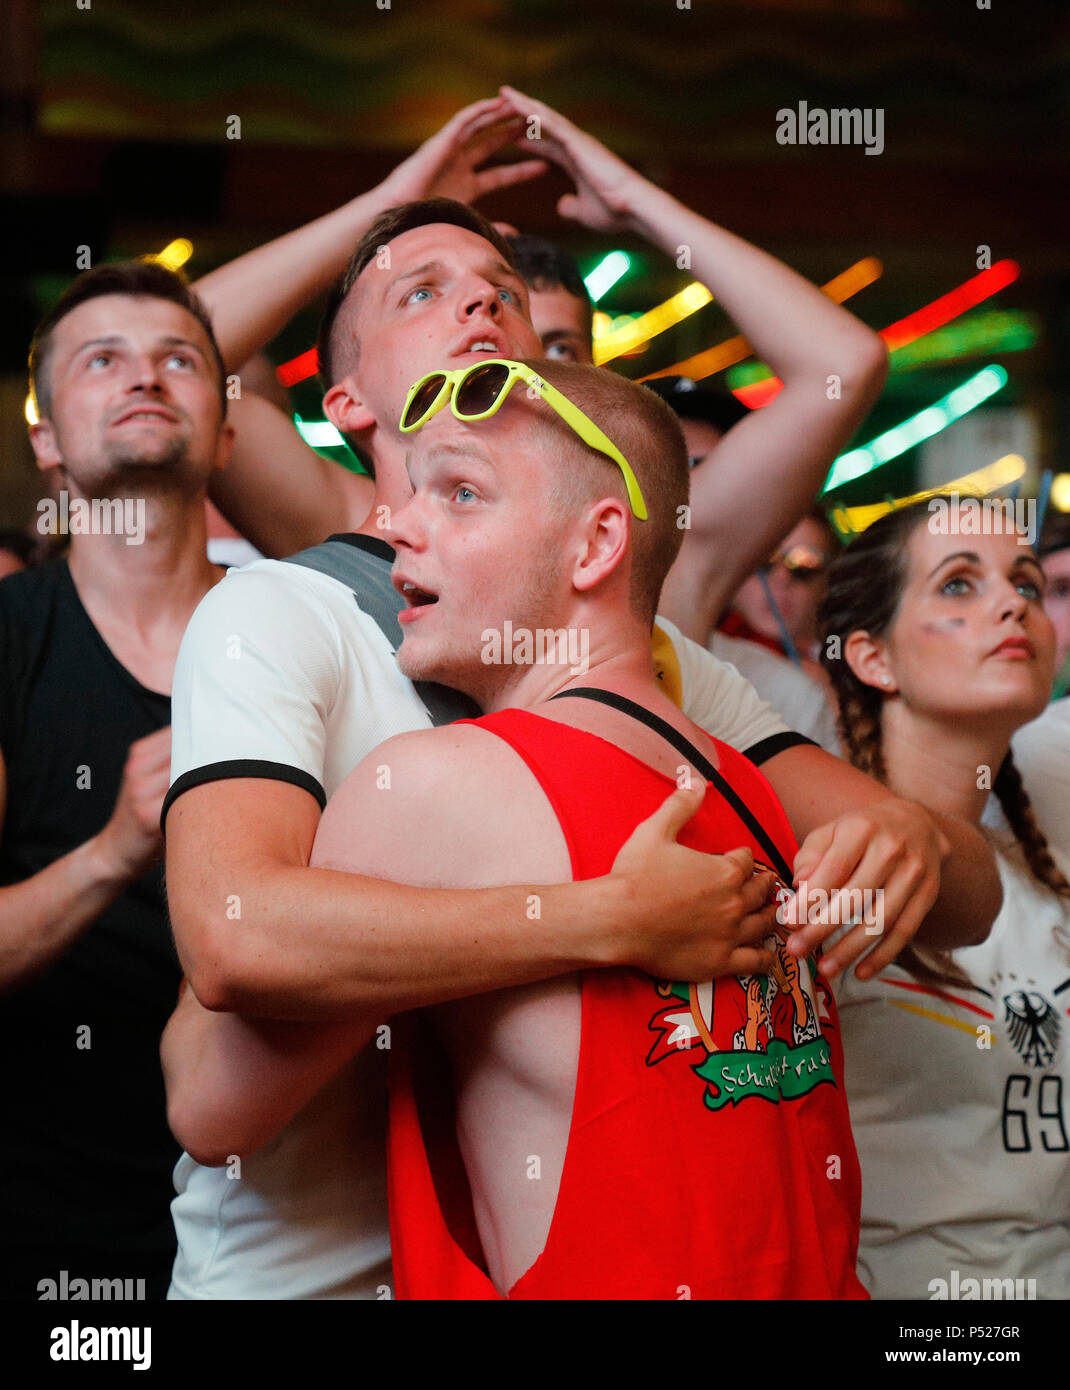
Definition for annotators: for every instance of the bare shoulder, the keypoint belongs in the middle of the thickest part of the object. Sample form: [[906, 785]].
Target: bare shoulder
[[448, 807]]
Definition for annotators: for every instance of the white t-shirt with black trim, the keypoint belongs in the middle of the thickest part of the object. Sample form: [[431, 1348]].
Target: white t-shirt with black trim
[[960, 1106], [283, 675]]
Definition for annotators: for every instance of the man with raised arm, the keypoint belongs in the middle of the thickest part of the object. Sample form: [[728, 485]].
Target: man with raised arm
[[517, 526], [768, 469], [287, 680]]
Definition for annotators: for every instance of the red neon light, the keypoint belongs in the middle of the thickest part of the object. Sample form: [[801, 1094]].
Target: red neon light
[[299, 368], [931, 316]]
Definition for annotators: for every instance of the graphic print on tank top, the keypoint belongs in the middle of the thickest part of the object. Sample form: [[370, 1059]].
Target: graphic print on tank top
[[762, 1035], [650, 1151]]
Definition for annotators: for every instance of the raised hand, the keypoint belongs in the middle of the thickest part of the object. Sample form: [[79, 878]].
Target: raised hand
[[445, 165], [608, 191]]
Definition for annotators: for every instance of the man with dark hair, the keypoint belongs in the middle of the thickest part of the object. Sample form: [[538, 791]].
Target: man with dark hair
[[263, 736], [561, 310], [286, 680], [128, 381], [135, 279]]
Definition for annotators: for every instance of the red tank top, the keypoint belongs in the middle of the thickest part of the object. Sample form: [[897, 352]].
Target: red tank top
[[710, 1153]]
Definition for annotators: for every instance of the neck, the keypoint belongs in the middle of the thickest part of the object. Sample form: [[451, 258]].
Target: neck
[[166, 574], [947, 766], [610, 655]]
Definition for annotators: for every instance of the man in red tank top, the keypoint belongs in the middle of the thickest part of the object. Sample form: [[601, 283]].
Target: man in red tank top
[[602, 1134]]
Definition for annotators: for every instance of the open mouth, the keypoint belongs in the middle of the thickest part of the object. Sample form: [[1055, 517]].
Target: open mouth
[[414, 596]]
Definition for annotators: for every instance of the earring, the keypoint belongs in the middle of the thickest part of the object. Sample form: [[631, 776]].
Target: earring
[[886, 680]]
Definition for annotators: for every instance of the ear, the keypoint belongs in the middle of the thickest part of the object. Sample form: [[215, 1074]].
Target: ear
[[604, 537], [344, 408], [868, 659], [45, 445]]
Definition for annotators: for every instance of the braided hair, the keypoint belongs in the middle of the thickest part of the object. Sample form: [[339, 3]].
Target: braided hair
[[865, 586]]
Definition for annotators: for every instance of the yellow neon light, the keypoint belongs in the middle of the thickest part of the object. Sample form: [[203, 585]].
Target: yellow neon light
[[627, 338], [715, 359], [175, 254], [1060, 492], [852, 520]]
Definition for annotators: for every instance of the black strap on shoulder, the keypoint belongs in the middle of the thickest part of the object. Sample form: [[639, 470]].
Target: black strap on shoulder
[[687, 748]]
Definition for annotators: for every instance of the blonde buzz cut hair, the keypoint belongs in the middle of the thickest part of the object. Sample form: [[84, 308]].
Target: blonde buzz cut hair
[[648, 433]]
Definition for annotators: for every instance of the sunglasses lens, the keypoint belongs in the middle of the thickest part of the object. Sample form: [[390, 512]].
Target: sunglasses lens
[[424, 399], [480, 389]]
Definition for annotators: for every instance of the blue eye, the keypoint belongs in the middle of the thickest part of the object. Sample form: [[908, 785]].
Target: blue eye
[[420, 289], [507, 295], [462, 488], [1028, 588], [99, 357], [945, 588], [180, 357]]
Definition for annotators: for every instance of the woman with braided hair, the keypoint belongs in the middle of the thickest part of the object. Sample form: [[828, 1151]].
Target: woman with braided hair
[[957, 1063]]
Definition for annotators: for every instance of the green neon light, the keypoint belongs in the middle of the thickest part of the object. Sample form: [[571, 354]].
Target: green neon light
[[606, 274], [911, 432]]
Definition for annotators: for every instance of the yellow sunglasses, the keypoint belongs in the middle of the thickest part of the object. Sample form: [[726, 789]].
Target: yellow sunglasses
[[479, 391]]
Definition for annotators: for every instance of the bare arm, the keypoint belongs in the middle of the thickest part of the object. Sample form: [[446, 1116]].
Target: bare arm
[[317, 944], [233, 1083], [253, 297], [277, 491], [769, 466], [937, 873], [45, 914]]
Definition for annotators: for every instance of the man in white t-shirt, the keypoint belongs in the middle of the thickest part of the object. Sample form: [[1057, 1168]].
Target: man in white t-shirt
[[286, 680]]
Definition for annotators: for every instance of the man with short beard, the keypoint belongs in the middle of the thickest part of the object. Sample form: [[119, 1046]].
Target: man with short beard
[[129, 389]]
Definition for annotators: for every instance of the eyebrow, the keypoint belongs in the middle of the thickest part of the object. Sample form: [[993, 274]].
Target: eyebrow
[[427, 268], [975, 559], [497, 267], [117, 339], [468, 454]]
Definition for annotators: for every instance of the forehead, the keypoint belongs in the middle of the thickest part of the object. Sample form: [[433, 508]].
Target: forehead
[[454, 247], [505, 442], [557, 311], [927, 548], [131, 317]]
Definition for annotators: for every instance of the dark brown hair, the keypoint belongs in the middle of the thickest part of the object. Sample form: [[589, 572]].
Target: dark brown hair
[[388, 225], [865, 587], [140, 279]]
